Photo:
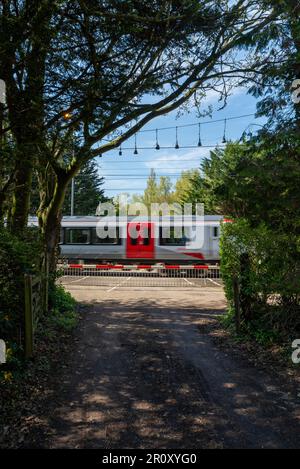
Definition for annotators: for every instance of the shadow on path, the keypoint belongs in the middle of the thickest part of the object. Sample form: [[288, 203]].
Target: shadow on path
[[144, 376]]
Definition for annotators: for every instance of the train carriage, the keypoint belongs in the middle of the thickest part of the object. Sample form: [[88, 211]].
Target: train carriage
[[136, 241]]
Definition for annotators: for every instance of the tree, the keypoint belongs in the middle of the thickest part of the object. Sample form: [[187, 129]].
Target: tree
[[157, 191], [165, 190], [88, 192], [81, 73], [6, 176], [186, 189], [274, 88], [150, 195], [255, 179]]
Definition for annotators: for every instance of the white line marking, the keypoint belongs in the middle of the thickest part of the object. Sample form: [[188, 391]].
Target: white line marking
[[187, 281], [78, 279], [216, 283], [117, 286]]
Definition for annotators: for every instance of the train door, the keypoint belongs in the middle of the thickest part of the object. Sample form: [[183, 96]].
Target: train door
[[140, 241], [215, 241]]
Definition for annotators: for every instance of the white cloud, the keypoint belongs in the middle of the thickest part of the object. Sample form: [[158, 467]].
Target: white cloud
[[212, 96], [174, 163]]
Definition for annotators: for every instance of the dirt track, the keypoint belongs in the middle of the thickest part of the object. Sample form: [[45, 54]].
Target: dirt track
[[147, 375]]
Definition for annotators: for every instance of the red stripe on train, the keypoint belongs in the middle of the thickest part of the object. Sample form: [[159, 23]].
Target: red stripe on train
[[196, 255]]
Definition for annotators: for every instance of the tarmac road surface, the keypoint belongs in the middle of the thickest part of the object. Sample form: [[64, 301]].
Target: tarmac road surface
[[147, 375]]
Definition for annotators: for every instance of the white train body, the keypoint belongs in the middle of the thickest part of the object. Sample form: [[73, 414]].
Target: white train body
[[80, 242]]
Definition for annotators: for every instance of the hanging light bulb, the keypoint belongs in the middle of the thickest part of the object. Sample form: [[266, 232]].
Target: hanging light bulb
[[135, 146], [225, 128], [67, 115], [157, 144], [120, 151], [177, 144], [199, 141]]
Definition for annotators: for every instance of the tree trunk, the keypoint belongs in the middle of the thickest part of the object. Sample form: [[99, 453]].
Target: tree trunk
[[21, 197], [51, 237], [50, 220], [2, 208]]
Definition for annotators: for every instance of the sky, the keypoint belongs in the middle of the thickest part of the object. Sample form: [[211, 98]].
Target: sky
[[129, 172]]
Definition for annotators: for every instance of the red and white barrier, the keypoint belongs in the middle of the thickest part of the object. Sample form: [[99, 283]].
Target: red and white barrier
[[136, 267]]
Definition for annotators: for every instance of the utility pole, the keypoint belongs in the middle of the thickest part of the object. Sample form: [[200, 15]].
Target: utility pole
[[2, 106], [73, 179], [68, 116], [72, 196]]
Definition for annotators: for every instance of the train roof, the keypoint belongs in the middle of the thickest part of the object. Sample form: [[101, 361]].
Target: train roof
[[96, 219], [92, 220], [177, 217]]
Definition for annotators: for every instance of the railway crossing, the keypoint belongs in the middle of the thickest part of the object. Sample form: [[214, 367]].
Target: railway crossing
[[127, 276]]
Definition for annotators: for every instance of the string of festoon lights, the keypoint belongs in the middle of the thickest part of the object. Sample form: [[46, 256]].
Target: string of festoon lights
[[157, 132], [118, 174]]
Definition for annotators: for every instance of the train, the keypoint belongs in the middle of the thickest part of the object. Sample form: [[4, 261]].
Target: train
[[132, 240]]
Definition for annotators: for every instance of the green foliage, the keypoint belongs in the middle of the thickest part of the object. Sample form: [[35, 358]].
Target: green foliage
[[17, 257], [163, 191], [60, 322], [157, 191], [257, 180], [282, 40], [270, 289], [63, 314], [187, 189], [88, 192]]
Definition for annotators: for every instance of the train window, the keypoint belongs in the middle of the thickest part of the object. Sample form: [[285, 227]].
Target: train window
[[109, 240], [77, 236], [172, 240], [216, 232], [61, 237]]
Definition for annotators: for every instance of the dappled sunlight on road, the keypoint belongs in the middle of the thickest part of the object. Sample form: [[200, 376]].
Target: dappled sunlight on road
[[145, 376]]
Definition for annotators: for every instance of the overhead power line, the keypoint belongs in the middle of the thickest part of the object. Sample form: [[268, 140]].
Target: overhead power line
[[182, 126], [126, 176], [126, 190], [153, 161], [183, 147], [198, 124]]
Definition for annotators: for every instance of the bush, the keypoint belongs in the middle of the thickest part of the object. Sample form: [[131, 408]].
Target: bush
[[17, 257], [64, 313], [267, 265]]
